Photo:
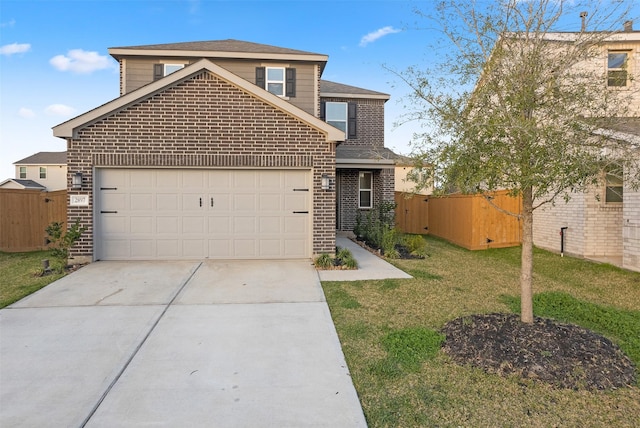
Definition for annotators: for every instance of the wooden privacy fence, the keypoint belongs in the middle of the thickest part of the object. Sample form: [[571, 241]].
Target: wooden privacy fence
[[24, 216], [469, 221]]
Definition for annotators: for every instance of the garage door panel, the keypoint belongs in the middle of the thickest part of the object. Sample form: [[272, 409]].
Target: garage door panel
[[186, 214], [142, 249], [167, 225], [141, 179], [193, 225], [115, 225], [141, 202], [141, 225], [167, 202]]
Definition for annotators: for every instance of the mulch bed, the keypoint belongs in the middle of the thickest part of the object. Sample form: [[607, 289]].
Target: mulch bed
[[564, 355]]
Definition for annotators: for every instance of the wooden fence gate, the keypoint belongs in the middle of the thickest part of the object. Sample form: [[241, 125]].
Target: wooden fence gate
[[24, 216]]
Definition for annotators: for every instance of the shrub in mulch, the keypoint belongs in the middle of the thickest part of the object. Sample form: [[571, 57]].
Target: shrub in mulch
[[563, 355]]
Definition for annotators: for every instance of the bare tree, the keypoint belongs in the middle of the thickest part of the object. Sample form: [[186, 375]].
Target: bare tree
[[516, 104]]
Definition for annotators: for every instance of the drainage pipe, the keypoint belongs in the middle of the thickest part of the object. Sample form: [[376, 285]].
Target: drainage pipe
[[562, 231]]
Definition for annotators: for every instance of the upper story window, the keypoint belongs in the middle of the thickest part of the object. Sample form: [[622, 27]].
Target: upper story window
[[618, 69], [342, 115], [279, 81], [43, 172], [22, 172], [365, 187], [161, 70], [171, 68], [613, 185], [336, 115], [275, 81]]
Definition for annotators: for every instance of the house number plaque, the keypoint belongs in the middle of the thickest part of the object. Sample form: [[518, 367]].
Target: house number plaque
[[79, 200]]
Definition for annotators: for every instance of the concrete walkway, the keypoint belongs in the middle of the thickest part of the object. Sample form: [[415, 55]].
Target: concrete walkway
[[176, 344], [370, 266]]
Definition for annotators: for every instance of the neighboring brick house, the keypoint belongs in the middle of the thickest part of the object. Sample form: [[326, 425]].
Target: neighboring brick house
[[604, 222], [49, 169], [222, 149]]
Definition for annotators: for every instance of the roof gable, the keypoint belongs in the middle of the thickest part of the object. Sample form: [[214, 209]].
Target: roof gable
[[70, 128], [22, 184]]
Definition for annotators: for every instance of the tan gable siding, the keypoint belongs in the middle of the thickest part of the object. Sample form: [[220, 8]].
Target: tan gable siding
[[139, 72], [207, 123]]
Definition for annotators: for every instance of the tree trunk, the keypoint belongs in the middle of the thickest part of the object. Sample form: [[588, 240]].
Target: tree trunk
[[526, 267]]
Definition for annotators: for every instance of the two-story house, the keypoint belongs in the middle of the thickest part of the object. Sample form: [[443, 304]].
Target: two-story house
[[224, 149], [603, 223], [43, 170]]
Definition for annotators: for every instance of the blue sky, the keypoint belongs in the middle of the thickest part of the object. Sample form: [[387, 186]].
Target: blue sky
[[54, 63]]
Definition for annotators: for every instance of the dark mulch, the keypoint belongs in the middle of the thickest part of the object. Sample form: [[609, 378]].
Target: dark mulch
[[564, 355], [403, 252]]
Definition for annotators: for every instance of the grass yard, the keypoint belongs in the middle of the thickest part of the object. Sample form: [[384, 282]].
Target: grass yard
[[389, 332], [19, 275]]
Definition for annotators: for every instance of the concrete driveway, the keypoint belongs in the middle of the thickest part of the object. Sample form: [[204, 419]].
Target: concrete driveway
[[197, 344]]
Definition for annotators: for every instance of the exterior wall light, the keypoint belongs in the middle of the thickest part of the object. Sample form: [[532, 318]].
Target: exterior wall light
[[76, 180], [326, 182]]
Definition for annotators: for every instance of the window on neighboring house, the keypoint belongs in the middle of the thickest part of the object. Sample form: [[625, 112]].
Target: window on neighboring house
[[279, 81], [341, 115], [161, 70], [23, 172], [613, 185], [365, 187], [43, 172], [275, 81], [617, 70]]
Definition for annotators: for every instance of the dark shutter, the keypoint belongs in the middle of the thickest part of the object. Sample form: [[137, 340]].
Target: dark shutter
[[323, 110], [158, 71], [290, 82], [261, 77], [352, 116]]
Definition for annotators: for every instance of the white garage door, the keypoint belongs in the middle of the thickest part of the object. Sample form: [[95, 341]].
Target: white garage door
[[167, 214]]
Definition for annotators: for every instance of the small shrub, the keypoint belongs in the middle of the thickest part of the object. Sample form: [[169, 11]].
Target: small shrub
[[62, 242], [323, 261], [390, 238], [345, 258], [416, 245]]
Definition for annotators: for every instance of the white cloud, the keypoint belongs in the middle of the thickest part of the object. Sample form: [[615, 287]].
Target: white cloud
[[375, 35], [80, 61], [8, 23], [59, 110], [27, 113], [15, 48]]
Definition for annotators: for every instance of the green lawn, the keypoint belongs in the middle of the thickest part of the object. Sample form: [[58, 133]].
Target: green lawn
[[19, 275], [389, 334]]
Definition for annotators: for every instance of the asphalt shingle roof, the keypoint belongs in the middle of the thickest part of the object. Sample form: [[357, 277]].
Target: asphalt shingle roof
[[44, 158]]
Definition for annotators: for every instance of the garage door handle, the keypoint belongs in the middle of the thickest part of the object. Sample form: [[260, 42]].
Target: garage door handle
[[211, 201], [301, 212], [108, 212], [200, 201]]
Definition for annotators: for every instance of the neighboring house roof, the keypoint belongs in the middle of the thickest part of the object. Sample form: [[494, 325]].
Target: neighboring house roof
[[364, 157], [624, 129], [70, 128], [23, 184], [332, 89], [44, 158], [219, 49]]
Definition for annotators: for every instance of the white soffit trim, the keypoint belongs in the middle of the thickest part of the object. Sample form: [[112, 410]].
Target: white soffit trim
[[69, 128]]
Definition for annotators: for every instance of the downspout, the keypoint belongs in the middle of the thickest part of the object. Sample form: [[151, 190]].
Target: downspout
[[562, 231]]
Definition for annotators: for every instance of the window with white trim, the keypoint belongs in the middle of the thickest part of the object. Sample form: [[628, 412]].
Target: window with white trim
[[617, 69], [172, 68], [365, 189], [336, 115], [275, 80], [43, 172], [23, 172], [613, 186]]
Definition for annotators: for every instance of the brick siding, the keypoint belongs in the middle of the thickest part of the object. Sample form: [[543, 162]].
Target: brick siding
[[204, 122], [383, 190]]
